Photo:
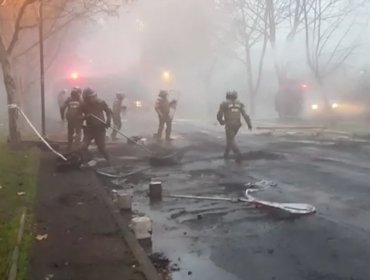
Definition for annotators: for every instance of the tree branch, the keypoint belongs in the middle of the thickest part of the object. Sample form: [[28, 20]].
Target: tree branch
[[18, 28]]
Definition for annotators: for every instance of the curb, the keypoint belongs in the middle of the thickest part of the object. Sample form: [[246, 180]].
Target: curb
[[339, 132], [302, 127], [147, 266], [15, 255]]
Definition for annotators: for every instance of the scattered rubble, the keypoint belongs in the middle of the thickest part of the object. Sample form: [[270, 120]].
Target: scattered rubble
[[41, 237], [73, 162], [261, 185], [256, 155], [160, 261], [163, 264], [49, 277], [166, 157]]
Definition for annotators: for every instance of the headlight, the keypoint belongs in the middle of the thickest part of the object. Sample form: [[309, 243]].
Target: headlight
[[314, 107], [334, 105], [138, 104]]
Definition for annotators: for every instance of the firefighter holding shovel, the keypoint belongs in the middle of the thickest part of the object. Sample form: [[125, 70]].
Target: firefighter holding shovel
[[94, 109]]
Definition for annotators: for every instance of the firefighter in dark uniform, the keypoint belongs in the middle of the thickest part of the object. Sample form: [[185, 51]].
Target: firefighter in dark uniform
[[163, 107], [62, 97], [73, 106], [94, 129], [229, 114], [117, 109]]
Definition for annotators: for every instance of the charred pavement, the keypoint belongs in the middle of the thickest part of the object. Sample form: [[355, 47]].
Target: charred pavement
[[224, 241]]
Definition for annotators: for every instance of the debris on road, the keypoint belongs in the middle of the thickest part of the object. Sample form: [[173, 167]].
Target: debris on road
[[204, 197], [116, 173], [137, 139], [257, 155], [142, 227], [291, 208], [261, 185], [156, 158], [92, 163], [73, 161], [21, 193], [163, 264], [155, 190], [105, 174], [41, 237], [175, 267], [123, 199], [49, 277], [164, 158], [160, 261]]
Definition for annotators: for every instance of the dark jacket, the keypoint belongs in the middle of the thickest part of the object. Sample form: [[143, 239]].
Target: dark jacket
[[73, 106], [97, 108], [162, 106], [230, 113]]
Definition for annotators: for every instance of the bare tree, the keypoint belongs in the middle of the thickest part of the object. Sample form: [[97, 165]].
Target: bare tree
[[287, 15], [329, 40], [249, 18], [19, 16]]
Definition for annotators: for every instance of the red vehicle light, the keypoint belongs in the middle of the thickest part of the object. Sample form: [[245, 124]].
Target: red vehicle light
[[304, 86], [74, 76]]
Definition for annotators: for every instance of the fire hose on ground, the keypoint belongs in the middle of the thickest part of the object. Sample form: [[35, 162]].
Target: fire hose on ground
[[16, 107], [291, 208]]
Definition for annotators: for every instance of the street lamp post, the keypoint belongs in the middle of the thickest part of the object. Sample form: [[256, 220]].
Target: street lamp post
[[42, 67]]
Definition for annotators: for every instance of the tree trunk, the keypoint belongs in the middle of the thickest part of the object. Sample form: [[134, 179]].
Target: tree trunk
[[250, 80], [320, 83], [10, 88], [252, 109]]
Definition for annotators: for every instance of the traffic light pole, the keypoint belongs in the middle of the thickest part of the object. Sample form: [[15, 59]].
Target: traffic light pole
[[42, 67]]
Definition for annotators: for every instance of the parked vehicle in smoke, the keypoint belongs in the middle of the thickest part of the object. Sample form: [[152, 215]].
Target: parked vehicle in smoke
[[320, 109], [289, 100]]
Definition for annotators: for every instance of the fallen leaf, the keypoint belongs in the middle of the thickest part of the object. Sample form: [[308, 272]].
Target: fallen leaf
[[41, 237], [21, 193], [1, 187]]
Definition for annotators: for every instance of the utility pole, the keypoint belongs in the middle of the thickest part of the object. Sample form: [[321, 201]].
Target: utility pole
[[42, 67]]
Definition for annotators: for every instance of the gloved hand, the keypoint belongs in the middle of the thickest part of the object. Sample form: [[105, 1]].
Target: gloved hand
[[222, 122], [107, 125]]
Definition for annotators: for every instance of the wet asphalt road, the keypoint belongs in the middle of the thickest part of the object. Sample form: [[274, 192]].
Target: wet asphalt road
[[228, 241]]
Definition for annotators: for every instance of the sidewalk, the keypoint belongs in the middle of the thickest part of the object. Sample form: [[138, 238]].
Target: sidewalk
[[82, 240]]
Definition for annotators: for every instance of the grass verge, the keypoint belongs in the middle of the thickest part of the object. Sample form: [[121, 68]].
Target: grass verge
[[18, 180]]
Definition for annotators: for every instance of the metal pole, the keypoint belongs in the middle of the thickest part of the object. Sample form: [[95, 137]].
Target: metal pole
[[42, 68]]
